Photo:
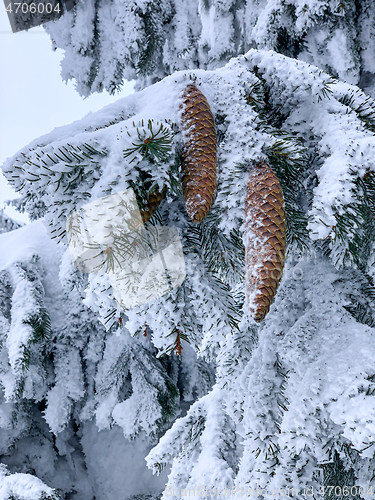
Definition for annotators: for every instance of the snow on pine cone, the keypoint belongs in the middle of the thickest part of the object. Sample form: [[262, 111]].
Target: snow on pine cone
[[199, 161], [264, 239], [153, 202], [148, 203]]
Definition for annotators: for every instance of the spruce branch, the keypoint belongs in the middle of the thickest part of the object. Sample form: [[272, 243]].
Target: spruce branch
[[41, 326], [150, 144]]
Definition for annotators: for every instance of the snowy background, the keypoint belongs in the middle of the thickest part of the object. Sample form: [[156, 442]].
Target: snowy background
[[33, 98]]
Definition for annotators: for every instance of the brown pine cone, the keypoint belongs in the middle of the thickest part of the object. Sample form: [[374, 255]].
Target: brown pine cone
[[148, 208], [199, 161], [264, 239], [154, 201]]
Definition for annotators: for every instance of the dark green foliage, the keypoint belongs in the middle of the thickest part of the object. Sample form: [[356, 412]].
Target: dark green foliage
[[74, 157], [271, 114], [289, 161], [175, 184], [143, 186], [336, 477], [71, 170], [168, 398], [137, 362], [150, 45], [362, 214], [288, 158], [359, 290], [146, 190], [6, 291], [53, 496], [223, 256], [243, 342], [41, 326], [356, 224], [30, 204], [196, 428], [189, 328], [167, 393], [177, 336], [118, 375], [154, 145], [364, 111], [288, 42], [26, 277]]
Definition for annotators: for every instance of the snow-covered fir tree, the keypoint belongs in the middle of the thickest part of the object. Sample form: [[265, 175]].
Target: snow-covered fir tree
[[108, 41], [189, 381]]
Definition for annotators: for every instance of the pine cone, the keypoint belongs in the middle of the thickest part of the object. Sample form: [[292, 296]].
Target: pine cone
[[148, 208], [199, 160], [154, 201], [264, 239]]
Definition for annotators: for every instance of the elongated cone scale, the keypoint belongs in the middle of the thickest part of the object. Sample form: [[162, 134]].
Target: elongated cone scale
[[199, 160], [264, 239]]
